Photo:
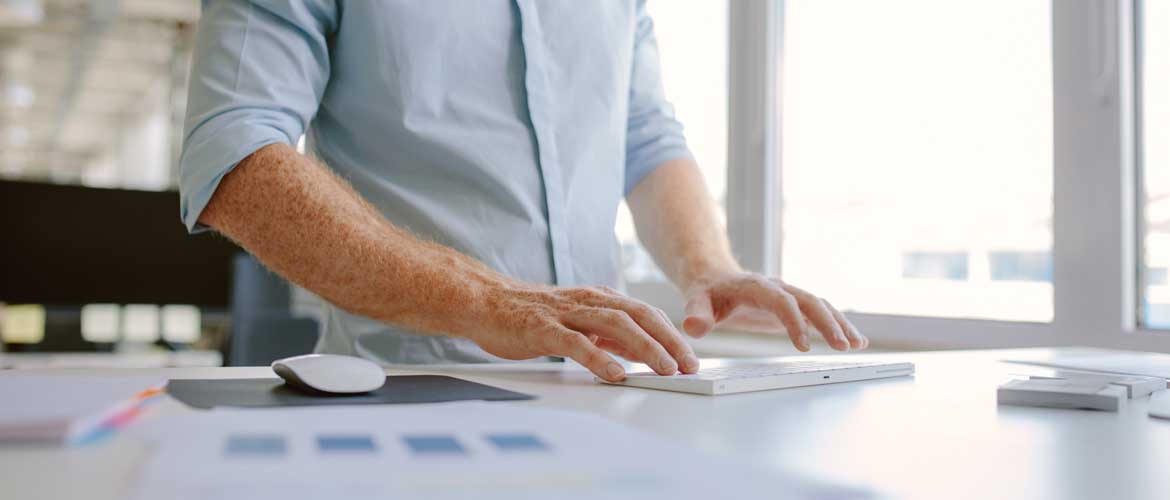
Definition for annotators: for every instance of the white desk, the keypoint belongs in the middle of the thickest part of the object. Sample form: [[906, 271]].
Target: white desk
[[939, 435]]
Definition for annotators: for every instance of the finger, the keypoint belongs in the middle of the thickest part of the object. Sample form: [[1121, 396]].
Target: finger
[[616, 348], [818, 313], [697, 364], [616, 324], [655, 323], [700, 315], [787, 310], [575, 346], [856, 339]]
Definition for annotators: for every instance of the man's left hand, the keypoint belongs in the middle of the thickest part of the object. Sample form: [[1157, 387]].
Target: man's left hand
[[749, 301]]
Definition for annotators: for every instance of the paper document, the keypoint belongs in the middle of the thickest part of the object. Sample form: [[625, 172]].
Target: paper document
[[66, 408], [1128, 363], [439, 451]]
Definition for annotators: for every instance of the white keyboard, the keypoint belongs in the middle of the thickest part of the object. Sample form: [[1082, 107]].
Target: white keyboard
[[764, 376]]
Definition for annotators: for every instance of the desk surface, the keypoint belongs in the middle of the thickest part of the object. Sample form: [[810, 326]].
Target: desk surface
[[937, 435]]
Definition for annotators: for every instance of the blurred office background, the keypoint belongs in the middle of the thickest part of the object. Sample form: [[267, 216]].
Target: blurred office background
[[913, 158]]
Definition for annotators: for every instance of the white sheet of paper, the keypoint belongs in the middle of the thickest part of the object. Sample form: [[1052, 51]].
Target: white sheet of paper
[[545, 454], [62, 407], [1127, 363]]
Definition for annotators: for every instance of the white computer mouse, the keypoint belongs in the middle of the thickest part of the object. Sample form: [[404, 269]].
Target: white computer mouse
[[331, 373]]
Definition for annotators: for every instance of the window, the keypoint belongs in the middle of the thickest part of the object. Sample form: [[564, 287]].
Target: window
[[1021, 266], [692, 45], [916, 151], [1153, 23], [951, 266], [958, 174], [1156, 276]]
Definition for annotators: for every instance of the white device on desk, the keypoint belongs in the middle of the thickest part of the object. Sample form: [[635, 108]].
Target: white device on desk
[[1062, 393], [1078, 390], [331, 373], [765, 376]]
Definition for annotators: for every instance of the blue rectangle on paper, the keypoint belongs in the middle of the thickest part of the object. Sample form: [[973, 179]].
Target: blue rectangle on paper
[[517, 442], [434, 445], [256, 445], [346, 444]]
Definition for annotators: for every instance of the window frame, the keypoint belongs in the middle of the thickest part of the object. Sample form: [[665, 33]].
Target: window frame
[[1096, 190]]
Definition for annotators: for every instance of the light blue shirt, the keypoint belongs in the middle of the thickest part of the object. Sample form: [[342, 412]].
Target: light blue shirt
[[508, 130]]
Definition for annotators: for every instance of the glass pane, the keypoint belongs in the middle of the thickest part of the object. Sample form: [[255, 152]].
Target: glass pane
[[1154, 29], [692, 45], [917, 155]]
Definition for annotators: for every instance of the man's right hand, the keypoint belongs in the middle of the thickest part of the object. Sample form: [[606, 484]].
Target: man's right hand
[[523, 321]]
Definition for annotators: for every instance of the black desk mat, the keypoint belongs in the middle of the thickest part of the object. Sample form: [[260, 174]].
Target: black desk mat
[[266, 392]]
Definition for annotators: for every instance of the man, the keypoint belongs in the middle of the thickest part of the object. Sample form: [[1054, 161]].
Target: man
[[472, 156]]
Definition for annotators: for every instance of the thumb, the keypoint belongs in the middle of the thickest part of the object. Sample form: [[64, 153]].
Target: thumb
[[700, 315]]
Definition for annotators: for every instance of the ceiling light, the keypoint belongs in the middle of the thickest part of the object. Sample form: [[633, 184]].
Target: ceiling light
[[20, 13], [17, 136], [101, 322], [140, 323], [16, 95], [23, 324]]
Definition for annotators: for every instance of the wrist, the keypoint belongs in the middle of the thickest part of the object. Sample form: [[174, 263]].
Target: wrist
[[451, 296], [473, 312], [702, 273]]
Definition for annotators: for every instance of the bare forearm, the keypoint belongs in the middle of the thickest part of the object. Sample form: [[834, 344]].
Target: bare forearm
[[676, 219], [309, 226]]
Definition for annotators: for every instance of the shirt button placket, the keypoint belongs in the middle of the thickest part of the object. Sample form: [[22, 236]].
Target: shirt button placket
[[539, 97]]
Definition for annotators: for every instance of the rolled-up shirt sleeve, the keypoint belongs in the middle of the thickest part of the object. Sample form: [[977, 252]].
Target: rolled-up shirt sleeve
[[260, 68], [653, 134]]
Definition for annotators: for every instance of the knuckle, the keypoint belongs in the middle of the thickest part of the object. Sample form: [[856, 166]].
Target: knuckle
[[593, 357], [781, 300], [576, 314], [565, 316], [588, 294], [832, 310], [665, 318], [551, 340], [579, 294], [789, 300], [616, 317], [647, 346], [558, 339], [804, 296], [643, 310], [567, 340], [759, 281]]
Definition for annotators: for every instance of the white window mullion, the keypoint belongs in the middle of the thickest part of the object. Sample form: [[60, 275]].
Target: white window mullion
[[753, 208], [1093, 223]]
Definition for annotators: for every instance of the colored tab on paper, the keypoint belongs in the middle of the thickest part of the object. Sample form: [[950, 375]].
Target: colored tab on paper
[[434, 445]]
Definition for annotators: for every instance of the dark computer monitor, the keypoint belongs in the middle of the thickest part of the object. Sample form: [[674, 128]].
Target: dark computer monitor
[[79, 245]]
